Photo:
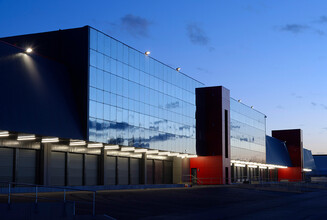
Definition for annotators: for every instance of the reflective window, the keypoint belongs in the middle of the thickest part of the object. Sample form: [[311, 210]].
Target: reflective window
[[138, 101], [248, 133]]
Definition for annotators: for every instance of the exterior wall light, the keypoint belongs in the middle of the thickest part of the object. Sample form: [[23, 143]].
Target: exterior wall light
[[29, 50], [111, 147], [95, 145], [4, 134], [147, 53], [26, 138], [252, 106], [178, 69], [50, 140], [239, 100]]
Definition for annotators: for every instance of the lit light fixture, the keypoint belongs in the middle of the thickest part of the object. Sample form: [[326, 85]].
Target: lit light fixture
[[127, 148], [147, 53], [182, 155], [306, 170], [29, 50], [173, 154], [239, 100], [124, 153], [77, 143], [262, 167], [152, 152], [94, 145], [252, 166], [156, 157], [178, 69], [252, 106], [239, 165], [164, 153], [26, 138], [192, 156], [140, 150], [4, 134], [111, 147], [50, 140]]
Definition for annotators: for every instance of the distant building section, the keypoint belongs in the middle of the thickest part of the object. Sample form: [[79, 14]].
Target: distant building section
[[248, 133]]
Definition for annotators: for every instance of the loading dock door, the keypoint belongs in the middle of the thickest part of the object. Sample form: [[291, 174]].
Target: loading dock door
[[26, 166], [6, 164], [57, 168], [91, 170], [135, 171], [75, 169], [122, 168]]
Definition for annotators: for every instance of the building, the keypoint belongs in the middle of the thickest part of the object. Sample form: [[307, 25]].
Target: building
[[82, 108]]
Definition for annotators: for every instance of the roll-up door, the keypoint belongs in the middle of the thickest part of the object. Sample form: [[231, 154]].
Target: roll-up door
[[57, 173], [91, 170], [122, 168], [158, 172], [149, 171], [135, 170], [6, 164], [168, 172], [75, 169], [26, 166], [110, 170]]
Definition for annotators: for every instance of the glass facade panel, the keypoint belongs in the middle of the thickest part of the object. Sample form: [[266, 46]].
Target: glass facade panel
[[248, 133], [135, 100]]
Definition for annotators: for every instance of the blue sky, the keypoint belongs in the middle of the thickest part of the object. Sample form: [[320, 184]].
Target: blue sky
[[270, 54]]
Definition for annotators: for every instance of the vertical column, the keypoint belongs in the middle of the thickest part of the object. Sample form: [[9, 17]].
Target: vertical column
[[45, 165], [246, 173], [102, 178], [233, 173], [143, 171]]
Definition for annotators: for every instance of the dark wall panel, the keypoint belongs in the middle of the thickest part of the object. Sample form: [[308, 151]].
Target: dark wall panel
[[122, 169], [26, 166], [134, 171], [6, 164], [57, 168], [158, 172], [149, 171], [110, 170], [47, 89], [91, 169], [168, 172], [75, 169]]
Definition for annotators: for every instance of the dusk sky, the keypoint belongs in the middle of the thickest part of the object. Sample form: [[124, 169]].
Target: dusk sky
[[270, 54]]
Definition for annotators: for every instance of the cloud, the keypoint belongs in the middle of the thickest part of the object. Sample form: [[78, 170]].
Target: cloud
[[313, 103], [322, 20], [280, 107], [325, 128], [294, 28], [135, 25], [323, 106], [297, 96], [203, 70], [300, 28], [197, 35]]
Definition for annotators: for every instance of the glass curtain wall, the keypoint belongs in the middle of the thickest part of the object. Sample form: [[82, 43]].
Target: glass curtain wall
[[248, 133], [135, 100]]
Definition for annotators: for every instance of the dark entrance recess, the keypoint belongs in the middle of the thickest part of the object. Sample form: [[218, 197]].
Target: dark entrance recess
[[194, 175]]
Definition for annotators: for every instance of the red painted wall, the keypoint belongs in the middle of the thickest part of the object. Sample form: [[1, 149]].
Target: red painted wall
[[209, 169], [292, 174]]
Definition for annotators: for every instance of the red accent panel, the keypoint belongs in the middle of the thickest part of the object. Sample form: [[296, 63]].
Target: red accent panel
[[209, 169], [292, 174]]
